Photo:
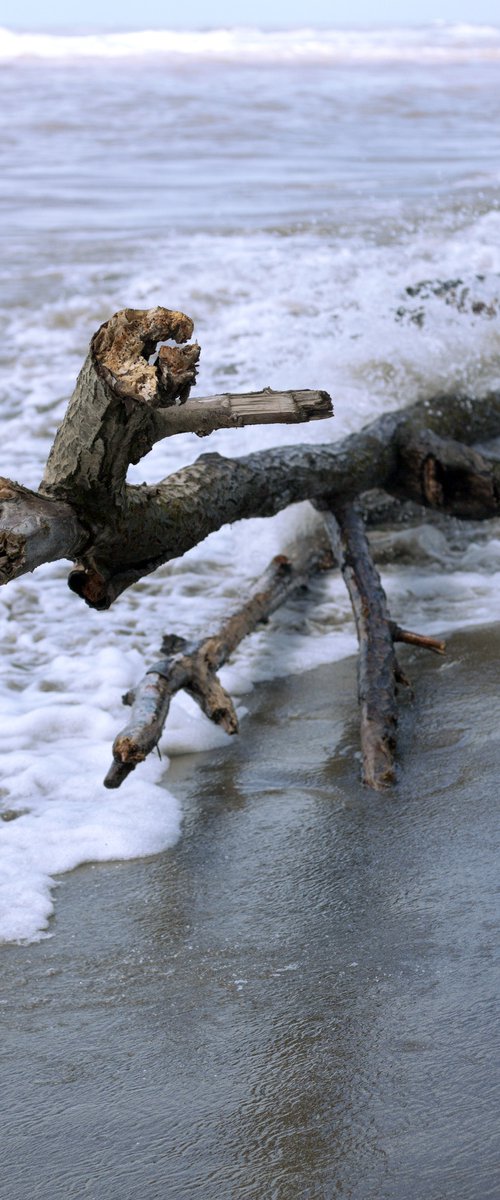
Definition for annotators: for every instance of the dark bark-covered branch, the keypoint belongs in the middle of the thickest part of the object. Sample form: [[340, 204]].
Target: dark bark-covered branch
[[168, 518], [445, 474], [35, 530], [152, 524], [377, 663], [194, 667], [378, 668]]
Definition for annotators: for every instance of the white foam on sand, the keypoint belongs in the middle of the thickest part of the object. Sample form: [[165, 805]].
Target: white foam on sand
[[55, 736]]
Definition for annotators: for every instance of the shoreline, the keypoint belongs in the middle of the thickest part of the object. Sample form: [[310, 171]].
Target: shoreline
[[297, 998]]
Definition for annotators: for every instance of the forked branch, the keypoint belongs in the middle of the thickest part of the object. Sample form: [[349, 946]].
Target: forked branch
[[194, 667]]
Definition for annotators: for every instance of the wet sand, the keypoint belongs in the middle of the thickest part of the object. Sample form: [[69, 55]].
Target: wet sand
[[297, 1000]]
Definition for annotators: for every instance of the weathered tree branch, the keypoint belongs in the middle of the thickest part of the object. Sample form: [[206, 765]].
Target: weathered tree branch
[[194, 668], [230, 411], [168, 518], [110, 420], [133, 390], [378, 668], [34, 530], [152, 524], [377, 663], [445, 474], [123, 403]]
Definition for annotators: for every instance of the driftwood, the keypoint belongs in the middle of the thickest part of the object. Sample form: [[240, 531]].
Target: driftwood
[[378, 669], [132, 391], [194, 668]]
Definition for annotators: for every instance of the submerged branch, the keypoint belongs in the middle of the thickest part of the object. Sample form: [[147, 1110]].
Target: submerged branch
[[377, 663], [378, 668]]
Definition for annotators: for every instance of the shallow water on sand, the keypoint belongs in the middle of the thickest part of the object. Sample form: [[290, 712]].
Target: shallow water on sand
[[298, 1000]]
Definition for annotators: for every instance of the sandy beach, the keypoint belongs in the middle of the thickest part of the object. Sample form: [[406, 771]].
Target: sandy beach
[[298, 999]]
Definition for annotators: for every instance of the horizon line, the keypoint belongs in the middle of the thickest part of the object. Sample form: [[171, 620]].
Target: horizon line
[[84, 29]]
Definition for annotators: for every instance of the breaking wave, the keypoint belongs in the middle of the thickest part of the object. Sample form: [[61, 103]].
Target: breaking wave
[[438, 43]]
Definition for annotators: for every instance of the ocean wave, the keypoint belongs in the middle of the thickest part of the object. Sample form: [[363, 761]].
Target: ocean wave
[[438, 43]]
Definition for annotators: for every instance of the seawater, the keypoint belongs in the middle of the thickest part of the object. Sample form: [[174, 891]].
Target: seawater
[[303, 195]]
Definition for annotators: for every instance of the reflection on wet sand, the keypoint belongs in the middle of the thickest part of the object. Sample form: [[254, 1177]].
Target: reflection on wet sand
[[298, 999]]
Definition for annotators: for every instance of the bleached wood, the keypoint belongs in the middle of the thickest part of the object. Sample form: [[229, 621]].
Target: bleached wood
[[232, 411]]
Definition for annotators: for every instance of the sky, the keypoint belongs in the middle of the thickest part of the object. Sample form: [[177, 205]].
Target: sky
[[141, 14]]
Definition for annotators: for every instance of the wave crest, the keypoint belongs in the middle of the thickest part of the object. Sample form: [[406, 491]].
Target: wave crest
[[437, 43]]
